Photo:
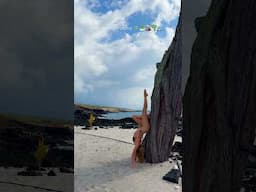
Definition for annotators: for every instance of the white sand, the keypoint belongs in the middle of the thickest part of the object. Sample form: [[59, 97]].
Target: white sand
[[103, 164], [11, 182]]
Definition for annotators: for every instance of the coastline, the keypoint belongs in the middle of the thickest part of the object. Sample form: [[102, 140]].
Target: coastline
[[102, 163]]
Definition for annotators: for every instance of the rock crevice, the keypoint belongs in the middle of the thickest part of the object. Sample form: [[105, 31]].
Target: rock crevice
[[219, 100], [165, 103]]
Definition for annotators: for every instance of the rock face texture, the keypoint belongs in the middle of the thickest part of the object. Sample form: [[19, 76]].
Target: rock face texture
[[165, 103], [219, 112]]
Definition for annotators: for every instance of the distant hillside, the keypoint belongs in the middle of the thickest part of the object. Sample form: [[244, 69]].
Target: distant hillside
[[7, 119], [104, 108]]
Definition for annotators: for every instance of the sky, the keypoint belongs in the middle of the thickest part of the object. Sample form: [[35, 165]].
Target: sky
[[36, 52], [114, 59]]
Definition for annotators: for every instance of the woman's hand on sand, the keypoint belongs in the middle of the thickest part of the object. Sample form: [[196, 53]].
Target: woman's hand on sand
[[133, 164]]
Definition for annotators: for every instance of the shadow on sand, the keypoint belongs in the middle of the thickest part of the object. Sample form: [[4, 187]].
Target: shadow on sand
[[107, 172]]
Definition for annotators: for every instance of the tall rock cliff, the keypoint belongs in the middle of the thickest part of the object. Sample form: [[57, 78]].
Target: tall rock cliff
[[165, 103], [220, 98]]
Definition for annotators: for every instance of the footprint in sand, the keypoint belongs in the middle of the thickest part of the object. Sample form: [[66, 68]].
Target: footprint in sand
[[92, 187], [109, 189], [100, 189]]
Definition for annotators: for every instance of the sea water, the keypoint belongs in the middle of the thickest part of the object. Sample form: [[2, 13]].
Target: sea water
[[120, 115]]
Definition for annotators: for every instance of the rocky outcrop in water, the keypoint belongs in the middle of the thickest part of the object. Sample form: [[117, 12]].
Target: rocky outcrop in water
[[165, 103], [219, 102]]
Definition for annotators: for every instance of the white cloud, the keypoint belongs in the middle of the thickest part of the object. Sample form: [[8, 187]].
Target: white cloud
[[177, 3], [81, 87], [132, 97], [132, 59], [144, 74], [167, 11], [105, 83]]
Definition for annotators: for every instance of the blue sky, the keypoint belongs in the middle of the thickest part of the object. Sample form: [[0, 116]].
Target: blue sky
[[114, 61]]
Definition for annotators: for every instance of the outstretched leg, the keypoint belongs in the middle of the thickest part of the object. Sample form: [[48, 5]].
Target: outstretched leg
[[143, 128], [145, 122], [145, 105]]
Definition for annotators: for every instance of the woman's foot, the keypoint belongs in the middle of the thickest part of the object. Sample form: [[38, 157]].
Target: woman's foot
[[145, 93]]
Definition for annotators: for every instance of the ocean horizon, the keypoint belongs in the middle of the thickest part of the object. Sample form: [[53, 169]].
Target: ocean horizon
[[120, 115]]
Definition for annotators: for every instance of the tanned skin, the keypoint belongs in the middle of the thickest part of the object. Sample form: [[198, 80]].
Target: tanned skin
[[143, 128]]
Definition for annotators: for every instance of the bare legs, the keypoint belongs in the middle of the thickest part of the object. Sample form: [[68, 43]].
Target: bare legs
[[145, 106], [142, 119], [145, 122], [144, 126], [139, 118]]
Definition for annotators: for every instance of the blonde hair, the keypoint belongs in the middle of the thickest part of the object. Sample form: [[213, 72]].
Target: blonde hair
[[140, 154]]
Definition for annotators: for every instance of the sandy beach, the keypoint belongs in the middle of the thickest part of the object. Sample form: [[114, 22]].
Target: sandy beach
[[102, 164], [11, 182]]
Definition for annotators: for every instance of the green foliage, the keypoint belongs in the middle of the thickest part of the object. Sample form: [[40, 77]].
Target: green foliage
[[91, 119], [41, 151]]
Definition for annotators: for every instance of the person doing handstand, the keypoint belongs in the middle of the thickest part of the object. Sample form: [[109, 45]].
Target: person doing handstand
[[143, 128]]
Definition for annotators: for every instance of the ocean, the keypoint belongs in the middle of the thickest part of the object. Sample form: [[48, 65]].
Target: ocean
[[120, 115]]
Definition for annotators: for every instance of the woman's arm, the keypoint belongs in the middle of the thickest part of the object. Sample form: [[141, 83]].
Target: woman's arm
[[133, 156], [137, 135]]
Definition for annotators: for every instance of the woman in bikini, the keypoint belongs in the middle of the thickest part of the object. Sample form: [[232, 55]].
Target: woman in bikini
[[143, 127]]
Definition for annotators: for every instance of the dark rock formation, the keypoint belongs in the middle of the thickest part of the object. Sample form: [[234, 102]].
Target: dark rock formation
[[249, 177], [66, 170], [126, 123], [219, 116], [81, 116], [166, 103], [22, 140], [51, 173], [29, 173]]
